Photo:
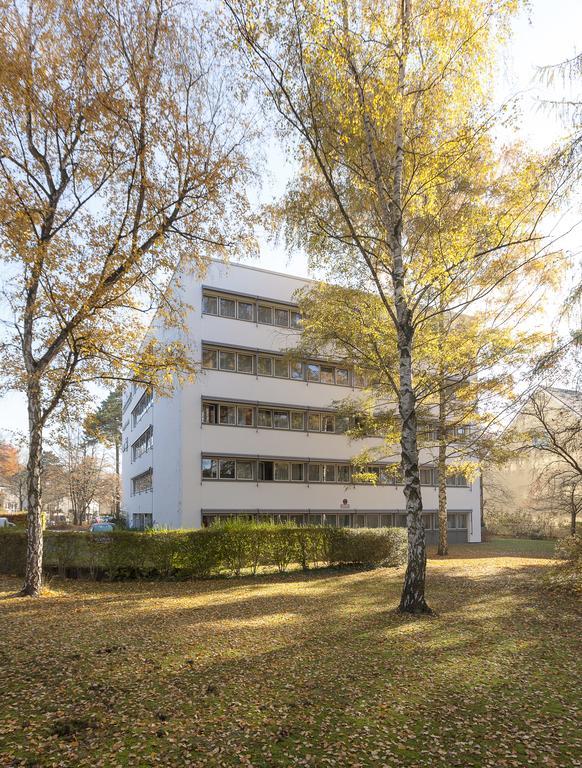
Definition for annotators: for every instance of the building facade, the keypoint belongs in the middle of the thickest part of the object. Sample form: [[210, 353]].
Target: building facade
[[256, 434]]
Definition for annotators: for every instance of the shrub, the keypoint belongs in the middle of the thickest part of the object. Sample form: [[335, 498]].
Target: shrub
[[570, 548], [232, 547]]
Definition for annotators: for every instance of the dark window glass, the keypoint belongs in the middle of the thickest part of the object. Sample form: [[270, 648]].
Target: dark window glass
[[227, 469], [246, 310], [227, 361], [313, 372], [314, 473], [297, 371], [209, 358], [209, 413], [281, 368], [265, 418], [297, 420], [245, 470], [327, 374], [281, 471], [210, 305], [329, 473], [313, 422], [245, 363], [281, 419], [246, 416], [265, 314], [327, 422], [228, 307], [227, 414], [297, 473], [209, 468], [342, 377], [282, 318], [343, 473], [295, 319], [265, 366]]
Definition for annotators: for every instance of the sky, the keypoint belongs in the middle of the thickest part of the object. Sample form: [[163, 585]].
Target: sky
[[548, 32]]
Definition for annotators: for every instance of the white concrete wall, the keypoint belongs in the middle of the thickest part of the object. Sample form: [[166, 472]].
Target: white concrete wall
[[180, 437]]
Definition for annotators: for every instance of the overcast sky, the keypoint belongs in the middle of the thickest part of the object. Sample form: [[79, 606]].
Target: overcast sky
[[549, 32]]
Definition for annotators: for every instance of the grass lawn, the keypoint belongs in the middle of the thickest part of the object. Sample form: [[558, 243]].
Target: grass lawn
[[296, 670]]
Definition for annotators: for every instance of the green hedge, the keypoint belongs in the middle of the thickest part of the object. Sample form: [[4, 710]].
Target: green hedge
[[232, 548]]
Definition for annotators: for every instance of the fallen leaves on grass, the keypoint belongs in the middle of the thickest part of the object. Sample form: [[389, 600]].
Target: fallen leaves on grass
[[308, 670]]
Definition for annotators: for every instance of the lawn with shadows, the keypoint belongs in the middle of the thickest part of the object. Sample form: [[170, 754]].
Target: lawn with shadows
[[296, 670]]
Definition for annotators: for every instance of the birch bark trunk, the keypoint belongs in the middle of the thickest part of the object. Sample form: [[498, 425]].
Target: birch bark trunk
[[33, 574]]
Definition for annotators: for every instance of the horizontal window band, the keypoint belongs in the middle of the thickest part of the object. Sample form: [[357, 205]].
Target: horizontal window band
[[263, 404], [261, 299], [218, 511], [222, 347]]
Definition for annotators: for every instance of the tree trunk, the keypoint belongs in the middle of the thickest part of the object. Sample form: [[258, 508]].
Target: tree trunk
[[443, 548], [33, 574], [412, 599], [117, 512], [573, 510]]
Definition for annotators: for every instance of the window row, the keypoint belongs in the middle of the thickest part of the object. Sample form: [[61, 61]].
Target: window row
[[143, 404], [272, 418], [142, 483], [143, 444], [277, 366], [262, 470], [251, 311], [455, 520]]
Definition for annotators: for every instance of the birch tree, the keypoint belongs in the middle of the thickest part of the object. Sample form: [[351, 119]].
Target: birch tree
[[384, 103], [121, 158]]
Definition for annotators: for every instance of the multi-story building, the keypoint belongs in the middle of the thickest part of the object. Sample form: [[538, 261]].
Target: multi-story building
[[256, 434]]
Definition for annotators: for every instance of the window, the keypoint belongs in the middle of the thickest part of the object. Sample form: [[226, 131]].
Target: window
[[265, 314], [282, 318], [426, 476], [281, 419], [457, 520], [210, 305], [329, 473], [295, 319], [313, 422], [227, 414], [246, 416], [143, 404], [265, 418], [281, 471], [227, 361], [281, 368], [265, 366], [297, 420], [228, 307], [342, 424], [245, 363], [458, 480], [142, 520], [209, 413], [209, 469], [327, 374], [246, 310], [144, 443], [209, 358], [384, 477], [360, 379], [297, 371], [142, 483], [314, 473], [245, 470], [343, 473], [297, 473], [386, 521], [327, 422], [342, 376], [313, 372], [227, 469], [265, 470]]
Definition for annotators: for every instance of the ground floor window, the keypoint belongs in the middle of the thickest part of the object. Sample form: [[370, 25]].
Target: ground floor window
[[142, 520]]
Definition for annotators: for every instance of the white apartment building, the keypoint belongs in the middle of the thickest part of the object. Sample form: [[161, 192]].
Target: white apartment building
[[255, 434]]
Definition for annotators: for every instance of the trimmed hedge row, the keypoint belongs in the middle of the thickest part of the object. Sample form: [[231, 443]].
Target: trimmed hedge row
[[230, 548]]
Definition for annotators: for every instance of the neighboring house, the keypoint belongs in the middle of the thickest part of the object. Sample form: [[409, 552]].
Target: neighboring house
[[61, 510], [9, 501], [538, 486], [257, 436]]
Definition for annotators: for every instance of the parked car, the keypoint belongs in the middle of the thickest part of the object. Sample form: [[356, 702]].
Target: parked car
[[102, 528], [5, 523]]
